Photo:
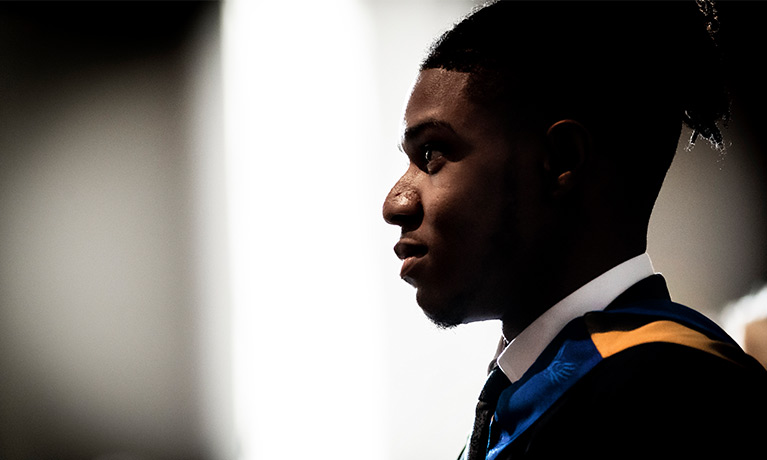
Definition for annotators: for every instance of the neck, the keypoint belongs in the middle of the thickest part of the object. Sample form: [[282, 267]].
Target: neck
[[565, 275]]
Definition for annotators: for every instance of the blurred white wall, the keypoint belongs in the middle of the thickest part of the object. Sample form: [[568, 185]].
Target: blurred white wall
[[299, 96], [707, 232]]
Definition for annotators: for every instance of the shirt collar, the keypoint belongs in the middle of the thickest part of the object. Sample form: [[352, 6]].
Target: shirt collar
[[520, 354]]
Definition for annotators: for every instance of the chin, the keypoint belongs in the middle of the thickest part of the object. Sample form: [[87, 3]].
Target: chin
[[450, 311], [443, 312], [444, 322]]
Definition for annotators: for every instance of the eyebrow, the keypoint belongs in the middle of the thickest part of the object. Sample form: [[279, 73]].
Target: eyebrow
[[412, 132]]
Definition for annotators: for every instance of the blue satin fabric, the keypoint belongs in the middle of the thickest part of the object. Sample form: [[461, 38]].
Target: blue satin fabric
[[570, 356]]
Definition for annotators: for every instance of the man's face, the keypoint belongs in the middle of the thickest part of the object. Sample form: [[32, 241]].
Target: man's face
[[469, 204]]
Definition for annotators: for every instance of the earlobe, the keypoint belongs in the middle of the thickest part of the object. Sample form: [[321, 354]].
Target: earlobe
[[569, 149]]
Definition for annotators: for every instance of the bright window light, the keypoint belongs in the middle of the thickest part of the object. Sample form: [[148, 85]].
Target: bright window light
[[298, 106]]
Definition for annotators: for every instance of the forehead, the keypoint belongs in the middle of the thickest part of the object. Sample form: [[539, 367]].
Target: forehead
[[441, 102], [436, 94]]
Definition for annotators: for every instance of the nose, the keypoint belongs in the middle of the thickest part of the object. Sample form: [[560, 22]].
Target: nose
[[402, 206]]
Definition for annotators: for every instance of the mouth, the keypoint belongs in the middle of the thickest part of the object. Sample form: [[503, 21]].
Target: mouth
[[409, 252]]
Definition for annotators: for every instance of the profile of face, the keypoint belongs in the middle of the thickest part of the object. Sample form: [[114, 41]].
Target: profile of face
[[470, 204]]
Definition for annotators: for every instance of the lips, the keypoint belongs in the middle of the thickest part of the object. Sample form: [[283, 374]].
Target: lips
[[409, 251]]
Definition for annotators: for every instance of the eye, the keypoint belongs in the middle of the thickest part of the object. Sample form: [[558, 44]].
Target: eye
[[432, 156], [428, 154], [431, 153]]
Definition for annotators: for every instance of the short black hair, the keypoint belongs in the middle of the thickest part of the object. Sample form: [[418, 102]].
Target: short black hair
[[631, 72]]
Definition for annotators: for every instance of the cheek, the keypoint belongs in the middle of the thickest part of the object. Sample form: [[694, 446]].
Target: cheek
[[472, 220]]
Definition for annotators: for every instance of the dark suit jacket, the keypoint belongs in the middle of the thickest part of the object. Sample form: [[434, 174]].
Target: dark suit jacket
[[655, 400]]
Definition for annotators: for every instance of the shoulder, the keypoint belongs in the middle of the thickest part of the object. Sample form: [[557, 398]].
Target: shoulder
[[658, 397], [668, 377], [665, 381]]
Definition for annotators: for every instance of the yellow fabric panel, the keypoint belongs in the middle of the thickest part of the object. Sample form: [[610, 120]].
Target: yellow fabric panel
[[612, 342]]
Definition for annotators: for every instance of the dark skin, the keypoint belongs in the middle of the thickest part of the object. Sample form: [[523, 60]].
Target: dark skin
[[499, 223]]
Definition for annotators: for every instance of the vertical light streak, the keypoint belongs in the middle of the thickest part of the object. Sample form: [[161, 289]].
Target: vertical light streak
[[298, 111]]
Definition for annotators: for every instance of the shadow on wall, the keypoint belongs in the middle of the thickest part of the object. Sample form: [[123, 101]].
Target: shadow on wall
[[99, 300]]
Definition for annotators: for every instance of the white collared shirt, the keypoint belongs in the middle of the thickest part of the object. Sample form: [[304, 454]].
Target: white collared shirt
[[520, 354]]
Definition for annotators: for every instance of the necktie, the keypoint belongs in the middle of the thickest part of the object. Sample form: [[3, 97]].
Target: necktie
[[495, 384]]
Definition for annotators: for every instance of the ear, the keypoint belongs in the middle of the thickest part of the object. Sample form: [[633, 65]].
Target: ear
[[569, 149]]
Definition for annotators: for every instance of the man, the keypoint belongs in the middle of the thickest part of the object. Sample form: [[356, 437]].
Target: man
[[538, 136]]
